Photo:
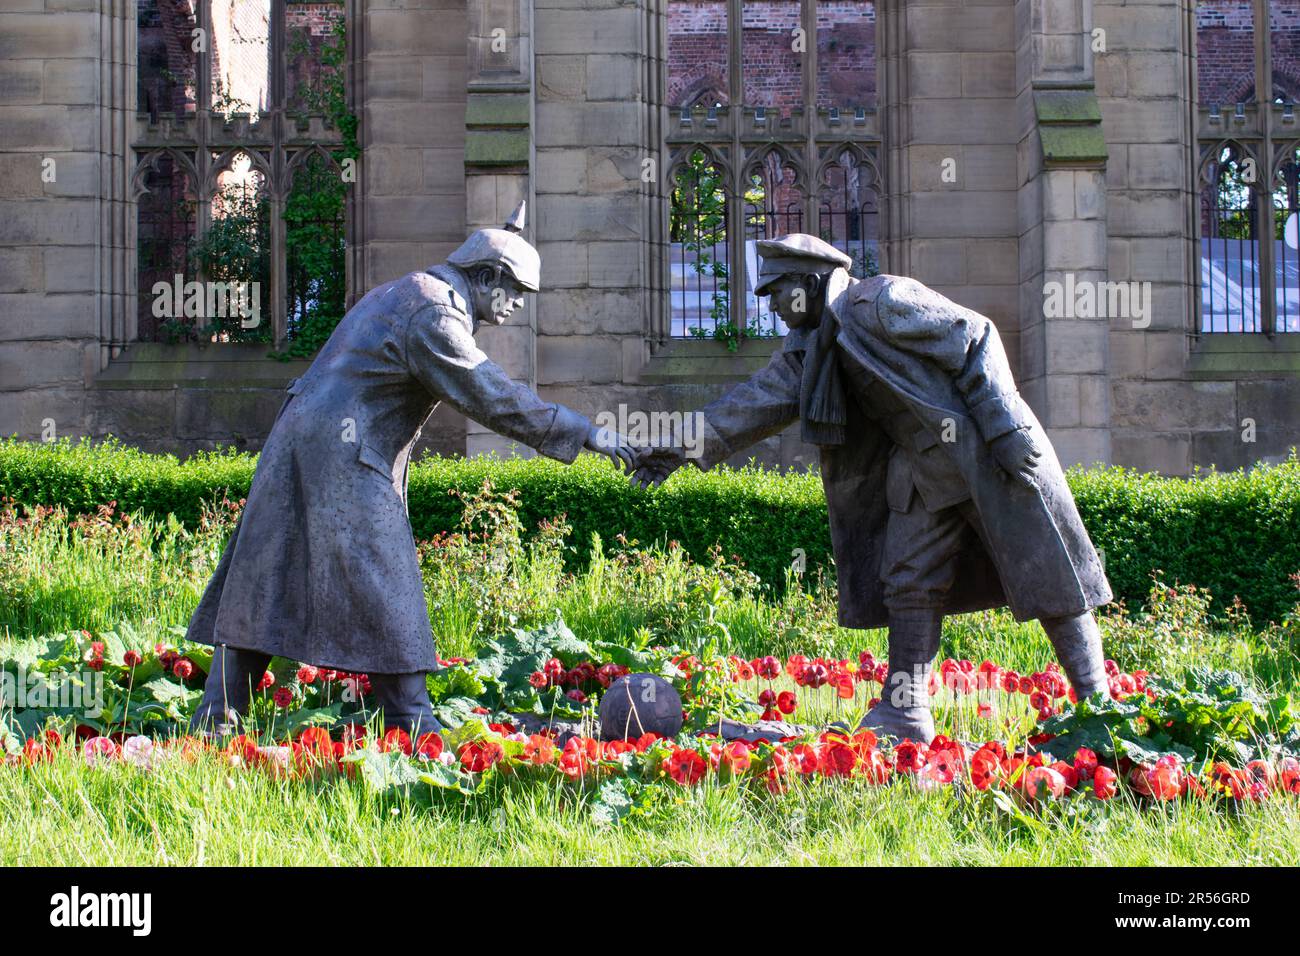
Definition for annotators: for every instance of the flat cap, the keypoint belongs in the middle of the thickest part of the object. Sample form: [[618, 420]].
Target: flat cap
[[798, 254]]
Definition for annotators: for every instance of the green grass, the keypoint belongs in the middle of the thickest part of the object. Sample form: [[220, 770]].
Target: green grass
[[57, 574], [206, 813]]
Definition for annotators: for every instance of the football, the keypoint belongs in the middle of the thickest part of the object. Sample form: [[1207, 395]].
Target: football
[[639, 704]]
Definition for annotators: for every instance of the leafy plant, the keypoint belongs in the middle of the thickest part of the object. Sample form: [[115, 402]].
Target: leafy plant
[[1210, 715]]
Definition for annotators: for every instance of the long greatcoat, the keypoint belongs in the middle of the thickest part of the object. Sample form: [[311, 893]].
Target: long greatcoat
[[946, 364], [322, 566]]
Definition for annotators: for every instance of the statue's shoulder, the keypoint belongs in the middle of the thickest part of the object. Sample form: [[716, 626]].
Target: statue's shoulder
[[880, 288]]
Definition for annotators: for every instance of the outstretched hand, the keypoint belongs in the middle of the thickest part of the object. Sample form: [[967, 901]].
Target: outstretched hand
[[655, 463], [614, 446]]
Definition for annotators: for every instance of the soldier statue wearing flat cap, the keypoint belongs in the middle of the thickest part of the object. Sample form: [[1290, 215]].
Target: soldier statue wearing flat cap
[[907, 392], [322, 567]]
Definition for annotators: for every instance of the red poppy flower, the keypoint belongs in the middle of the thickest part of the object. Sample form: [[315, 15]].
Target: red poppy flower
[[909, 757], [837, 759], [874, 767], [781, 760], [815, 675], [539, 750], [316, 740], [429, 746], [183, 668], [768, 668], [307, 674], [1103, 783], [395, 740], [268, 679], [1162, 782], [734, 758], [283, 697], [576, 696], [1042, 783], [245, 748], [795, 664], [843, 684], [786, 702], [1228, 781], [984, 769], [1289, 775], [1085, 762], [805, 758], [685, 767], [1262, 771], [942, 766], [35, 751], [477, 755]]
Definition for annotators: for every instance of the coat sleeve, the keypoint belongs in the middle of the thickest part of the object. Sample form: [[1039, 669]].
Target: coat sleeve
[[762, 405], [964, 344], [442, 356]]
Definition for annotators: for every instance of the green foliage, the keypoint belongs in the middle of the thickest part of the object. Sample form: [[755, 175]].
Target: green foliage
[[1209, 715], [1235, 534]]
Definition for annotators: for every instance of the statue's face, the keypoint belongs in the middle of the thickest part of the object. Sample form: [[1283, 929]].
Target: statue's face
[[796, 300], [496, 296]]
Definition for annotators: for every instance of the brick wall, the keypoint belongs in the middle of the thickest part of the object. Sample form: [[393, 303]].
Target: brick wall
[[772, 74]]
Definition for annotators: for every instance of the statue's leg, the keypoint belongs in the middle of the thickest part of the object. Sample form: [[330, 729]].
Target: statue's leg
[[1077, 641], [904, 708], [918, 570], [229, 689], [404, 701]]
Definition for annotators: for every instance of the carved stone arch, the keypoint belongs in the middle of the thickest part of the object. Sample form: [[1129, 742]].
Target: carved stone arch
[[1210, 159], [788, 158], [862, 157], [222, 164], [149, 161], [1283, 154], [785, 193], [302, 156], [717, 156]]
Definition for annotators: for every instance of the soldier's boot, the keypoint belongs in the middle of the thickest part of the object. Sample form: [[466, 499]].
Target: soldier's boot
[[904, 709], [404, 701], [1077, 641], [229, 689]]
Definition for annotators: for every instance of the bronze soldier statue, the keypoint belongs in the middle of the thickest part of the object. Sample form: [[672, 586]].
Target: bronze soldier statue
[[322, 566], [906, 391]]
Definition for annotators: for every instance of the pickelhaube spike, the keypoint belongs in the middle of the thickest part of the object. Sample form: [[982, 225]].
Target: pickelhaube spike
[[516, 221]]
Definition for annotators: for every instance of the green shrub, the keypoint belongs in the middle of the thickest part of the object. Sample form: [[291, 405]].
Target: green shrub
[[1235, 534]]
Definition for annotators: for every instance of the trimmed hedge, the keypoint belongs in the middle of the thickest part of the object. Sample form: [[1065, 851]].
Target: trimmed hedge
[[1236, 533]]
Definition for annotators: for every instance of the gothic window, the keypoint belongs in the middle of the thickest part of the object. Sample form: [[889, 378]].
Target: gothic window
[[244, 153], [772, 128], [1248, 140]]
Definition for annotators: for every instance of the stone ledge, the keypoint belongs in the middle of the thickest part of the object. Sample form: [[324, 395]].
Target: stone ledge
[[1237, 355], [705, 362], [235, 365]]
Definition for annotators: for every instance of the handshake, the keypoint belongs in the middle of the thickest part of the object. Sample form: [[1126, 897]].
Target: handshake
[[649, 465]]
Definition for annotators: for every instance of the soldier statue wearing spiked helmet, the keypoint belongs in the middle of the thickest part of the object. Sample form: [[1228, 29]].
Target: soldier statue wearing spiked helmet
[[322, 566]]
